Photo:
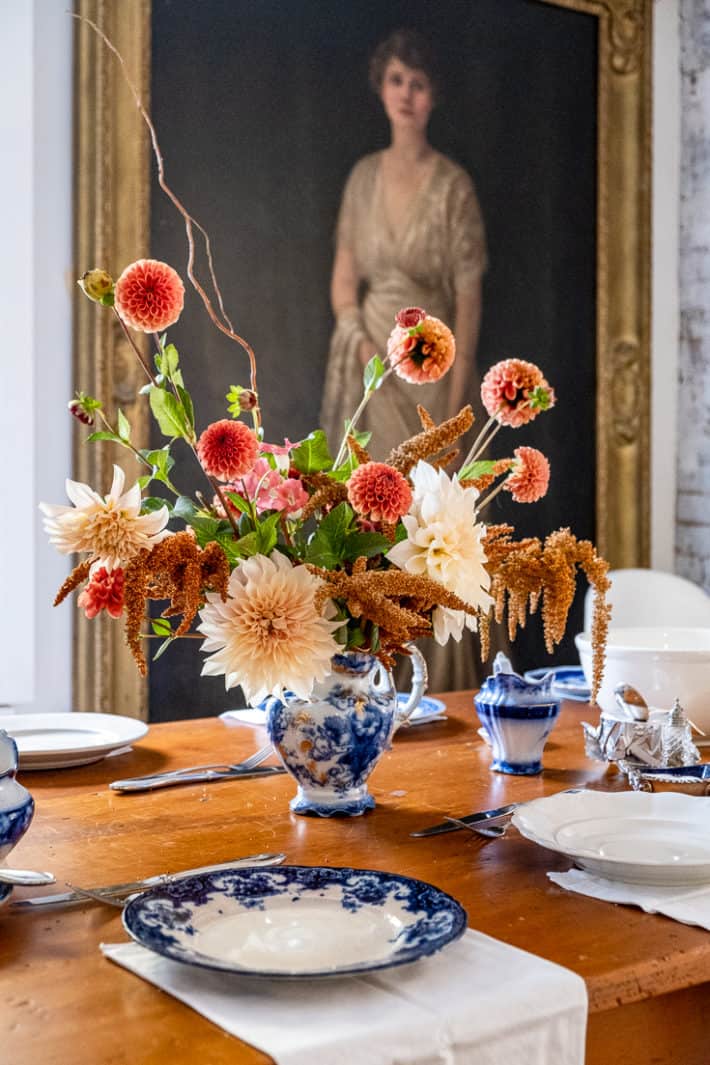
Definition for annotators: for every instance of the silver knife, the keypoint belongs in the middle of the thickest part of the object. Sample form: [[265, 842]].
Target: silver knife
[[469, 819], [203, 776], [114, 890]]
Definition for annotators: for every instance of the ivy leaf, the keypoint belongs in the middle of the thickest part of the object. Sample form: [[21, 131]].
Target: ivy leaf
[[168, 413], [312, 454], [373, 374], [161, 627], [476, 469], [124, 427], [365, 544], [105, 434]]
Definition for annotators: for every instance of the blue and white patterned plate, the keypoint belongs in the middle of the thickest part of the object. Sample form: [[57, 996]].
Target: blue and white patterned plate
[[569, 682], [428, 709], [295, 921]]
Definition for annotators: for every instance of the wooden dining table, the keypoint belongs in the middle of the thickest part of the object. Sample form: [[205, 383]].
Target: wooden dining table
[[63, 1003]]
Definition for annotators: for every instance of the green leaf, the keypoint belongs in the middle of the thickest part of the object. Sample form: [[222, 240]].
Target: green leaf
[[373, 374], [187, 405], [476, 469], [327, 547], [312, 454], [365, 544], [168, 413], [267, 532], [152, 503], [170, 360], [107, 299], [124, 426], [104, 434], [144, 480], [356, 637], [185, 509], [163, 648], [161, 627], [239, 502]]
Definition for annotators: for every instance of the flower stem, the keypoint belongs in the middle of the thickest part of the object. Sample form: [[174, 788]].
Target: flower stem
[[477, 445], [133, 344], [491, 495], [367, 394]]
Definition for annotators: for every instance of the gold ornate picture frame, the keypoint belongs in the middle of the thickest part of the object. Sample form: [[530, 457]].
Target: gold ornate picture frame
[[112, 220]]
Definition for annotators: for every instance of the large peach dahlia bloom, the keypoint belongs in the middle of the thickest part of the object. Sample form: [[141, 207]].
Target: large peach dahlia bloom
[[111, 528], [268, 636]]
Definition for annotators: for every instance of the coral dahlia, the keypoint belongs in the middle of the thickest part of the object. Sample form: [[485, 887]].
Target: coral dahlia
[[379, 492], [530, 475], [112, 529], [423, 353], [514, 392], [149, 296], [103, 592], [269, 635], [227, 449]]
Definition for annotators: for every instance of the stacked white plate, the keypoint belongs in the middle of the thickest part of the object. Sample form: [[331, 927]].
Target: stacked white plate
[[60, 741], [658, 839]]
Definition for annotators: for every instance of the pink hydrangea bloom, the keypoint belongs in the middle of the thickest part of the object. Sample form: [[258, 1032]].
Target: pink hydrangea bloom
[[422, 356], [379, 492], [227, 449], [530, 476], [514, 392], [149, 296]]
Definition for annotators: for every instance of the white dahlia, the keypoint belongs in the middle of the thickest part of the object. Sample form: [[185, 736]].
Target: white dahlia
[[110, 528], [444, 542], [268, 635]]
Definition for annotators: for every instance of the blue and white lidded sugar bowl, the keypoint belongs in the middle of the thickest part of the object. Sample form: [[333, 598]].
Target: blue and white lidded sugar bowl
[[518, 715], [16, 804]]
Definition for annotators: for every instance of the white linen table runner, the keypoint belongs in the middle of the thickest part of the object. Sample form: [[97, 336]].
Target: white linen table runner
[[478, 1002]]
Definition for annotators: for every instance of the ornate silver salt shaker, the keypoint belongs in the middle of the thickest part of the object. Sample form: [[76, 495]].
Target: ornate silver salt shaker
[[677, 747]]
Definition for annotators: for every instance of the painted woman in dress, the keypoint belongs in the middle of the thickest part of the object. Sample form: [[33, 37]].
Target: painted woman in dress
[[409, 233]]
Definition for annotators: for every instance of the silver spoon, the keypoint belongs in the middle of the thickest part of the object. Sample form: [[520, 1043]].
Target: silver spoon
[[25, 877], [631, 702]]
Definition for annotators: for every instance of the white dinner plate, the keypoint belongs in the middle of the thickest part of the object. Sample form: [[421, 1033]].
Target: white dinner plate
[[60, 741], [428, 710], [659, 839], [295, 921]]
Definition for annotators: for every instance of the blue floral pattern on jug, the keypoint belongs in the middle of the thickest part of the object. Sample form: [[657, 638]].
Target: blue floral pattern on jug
[[518, 715], [165, 918], [331, 744]]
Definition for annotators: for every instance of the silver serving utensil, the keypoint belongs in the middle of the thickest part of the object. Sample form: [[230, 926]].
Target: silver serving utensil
[[116, 891], [204, 776], [25, 877], [491, 831]]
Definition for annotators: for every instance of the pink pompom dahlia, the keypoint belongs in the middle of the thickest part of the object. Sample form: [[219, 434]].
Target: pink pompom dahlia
[[514, 392], [530, 476], [421, 353], [149, 296], [103, 592], [227, 449], [379, 492]]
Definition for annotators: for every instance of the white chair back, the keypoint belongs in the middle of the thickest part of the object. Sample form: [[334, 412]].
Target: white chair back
[[650, 597]]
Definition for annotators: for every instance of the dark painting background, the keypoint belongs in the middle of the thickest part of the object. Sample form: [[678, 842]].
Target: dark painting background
[[263, 107]]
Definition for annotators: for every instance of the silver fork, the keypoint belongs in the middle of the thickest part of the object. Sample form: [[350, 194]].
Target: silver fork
[[492, 829], [252, 762]]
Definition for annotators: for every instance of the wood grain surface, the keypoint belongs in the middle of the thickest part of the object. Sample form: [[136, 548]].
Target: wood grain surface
[[64, 1004]]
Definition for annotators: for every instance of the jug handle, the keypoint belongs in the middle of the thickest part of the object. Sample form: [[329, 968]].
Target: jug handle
[[420, 680]]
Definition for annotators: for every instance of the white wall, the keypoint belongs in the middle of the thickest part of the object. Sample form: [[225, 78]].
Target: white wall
[[35, 355], [665, 295]]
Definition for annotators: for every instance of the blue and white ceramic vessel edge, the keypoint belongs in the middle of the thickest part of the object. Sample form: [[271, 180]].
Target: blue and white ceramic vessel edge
[[295, 921], [16, 804], [518, 716]]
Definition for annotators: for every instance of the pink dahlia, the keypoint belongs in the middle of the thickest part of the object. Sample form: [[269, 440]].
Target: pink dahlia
[[379, 492], [149, 296], [410, 317], [227, 449], [423, 353], [103, 592], [514, 392], [530, 476]]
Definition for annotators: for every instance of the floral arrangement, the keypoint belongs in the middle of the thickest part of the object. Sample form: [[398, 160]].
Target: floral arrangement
[[297, 555], [296, 551]]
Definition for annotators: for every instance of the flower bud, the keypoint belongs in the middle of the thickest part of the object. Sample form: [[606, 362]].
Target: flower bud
[[97, 285], [410, 317], [76, 408], [247, 399]]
